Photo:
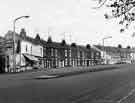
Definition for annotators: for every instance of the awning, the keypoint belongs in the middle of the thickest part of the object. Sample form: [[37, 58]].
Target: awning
[[30, 57]]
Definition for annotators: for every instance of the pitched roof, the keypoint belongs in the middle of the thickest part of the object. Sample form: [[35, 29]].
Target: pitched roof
[[112, 49], [9, 36]]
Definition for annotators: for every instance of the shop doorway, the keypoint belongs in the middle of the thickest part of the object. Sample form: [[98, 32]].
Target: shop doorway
[[2, 64]]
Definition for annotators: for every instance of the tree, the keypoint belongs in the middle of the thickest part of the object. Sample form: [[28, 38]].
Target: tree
[[122, 9]]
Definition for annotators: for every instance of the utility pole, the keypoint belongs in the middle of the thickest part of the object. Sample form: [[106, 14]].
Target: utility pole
[[103, 44], [132, 51]]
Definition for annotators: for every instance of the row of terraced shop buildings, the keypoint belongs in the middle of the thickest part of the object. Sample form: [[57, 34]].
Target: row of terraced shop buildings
[[36, 53]]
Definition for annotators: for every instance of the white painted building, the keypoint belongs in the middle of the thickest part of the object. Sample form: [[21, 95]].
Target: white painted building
[[31, 49], [29, 52]]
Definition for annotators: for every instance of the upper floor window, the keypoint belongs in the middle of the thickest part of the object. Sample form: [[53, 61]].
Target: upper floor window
[[51, 51], [97, 53], [31, 49], [44, 51], [56, 52], [83, 55], [41, 51], [92, 55], [65, 53], [70, 53], [66, 61], [78, 54]]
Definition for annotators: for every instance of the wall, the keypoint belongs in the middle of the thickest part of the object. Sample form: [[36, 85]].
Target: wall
[[32, 49]]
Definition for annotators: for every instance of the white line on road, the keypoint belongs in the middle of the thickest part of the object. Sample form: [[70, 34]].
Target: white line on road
[[125, 97]]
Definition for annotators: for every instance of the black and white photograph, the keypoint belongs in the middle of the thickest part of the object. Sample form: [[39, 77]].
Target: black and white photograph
[[67, 51]]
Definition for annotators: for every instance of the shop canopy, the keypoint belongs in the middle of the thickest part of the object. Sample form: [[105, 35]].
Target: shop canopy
[[31, 57]]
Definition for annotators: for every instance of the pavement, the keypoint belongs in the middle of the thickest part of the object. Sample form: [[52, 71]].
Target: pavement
[[68, 71], [61, 72]]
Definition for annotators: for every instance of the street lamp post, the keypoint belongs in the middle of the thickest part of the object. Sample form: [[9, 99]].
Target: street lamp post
[[103, 43], [14, 40], [133, 56]]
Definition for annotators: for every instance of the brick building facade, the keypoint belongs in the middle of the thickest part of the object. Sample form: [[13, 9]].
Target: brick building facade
[[48, 54]]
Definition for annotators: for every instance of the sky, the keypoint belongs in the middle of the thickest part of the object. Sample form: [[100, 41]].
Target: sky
[[73, 18]]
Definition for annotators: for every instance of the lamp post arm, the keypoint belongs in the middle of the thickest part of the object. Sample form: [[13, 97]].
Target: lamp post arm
[[20, 18], [107, 37]]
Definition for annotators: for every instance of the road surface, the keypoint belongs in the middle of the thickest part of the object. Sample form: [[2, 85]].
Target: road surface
[[110, 86]]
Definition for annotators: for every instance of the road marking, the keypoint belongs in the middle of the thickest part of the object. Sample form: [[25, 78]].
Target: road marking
[[125, 97]]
